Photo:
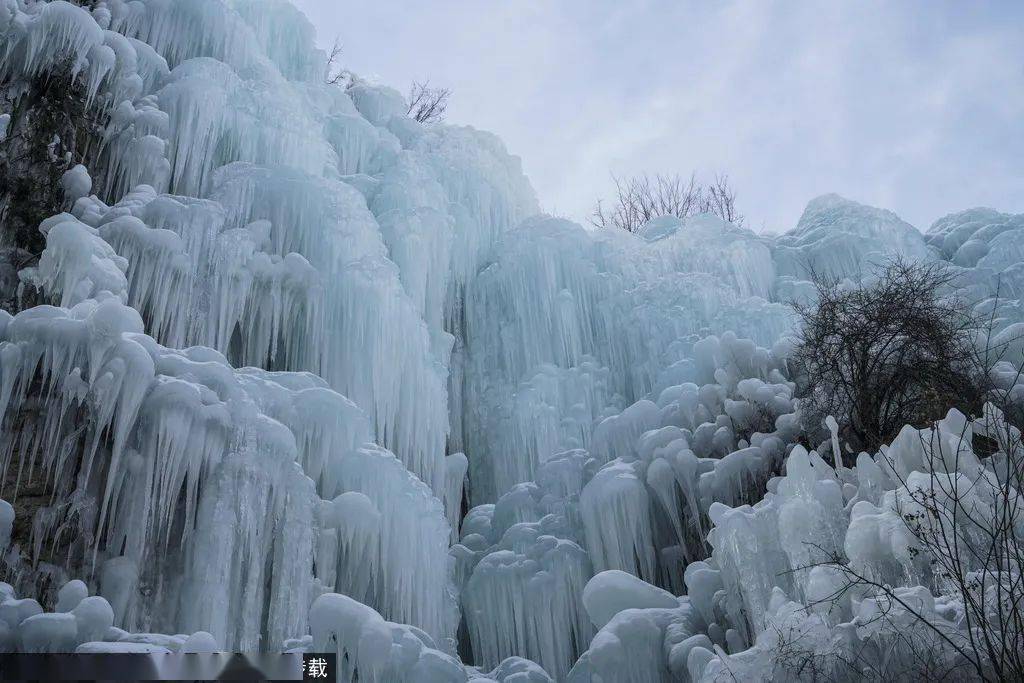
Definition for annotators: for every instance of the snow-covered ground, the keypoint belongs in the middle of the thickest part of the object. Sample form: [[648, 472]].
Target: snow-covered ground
[[301, 329]]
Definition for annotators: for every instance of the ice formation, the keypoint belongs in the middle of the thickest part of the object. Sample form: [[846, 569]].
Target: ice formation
[[310, 375]]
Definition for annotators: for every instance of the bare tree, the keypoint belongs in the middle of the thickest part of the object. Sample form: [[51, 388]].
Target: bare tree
[[882, 355], [965, 516], [426, 104], [719, 198], [911, 655], [641, 198], [336, 75]]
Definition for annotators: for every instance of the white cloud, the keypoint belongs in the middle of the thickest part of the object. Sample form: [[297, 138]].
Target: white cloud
[[916, 106]]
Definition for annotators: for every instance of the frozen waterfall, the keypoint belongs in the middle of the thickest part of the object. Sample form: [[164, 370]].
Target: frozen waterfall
[[307, 374]]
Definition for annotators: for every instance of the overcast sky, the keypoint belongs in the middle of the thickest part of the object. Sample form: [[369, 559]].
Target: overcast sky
[[913, 106]]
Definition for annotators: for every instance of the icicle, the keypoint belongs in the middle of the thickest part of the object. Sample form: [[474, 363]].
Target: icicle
[[78, 265], [456, 468], [615, 509], [379, 352], [52, 34], [524, 598], [286, 36], [359, 635], [353, 526], [416, 592]]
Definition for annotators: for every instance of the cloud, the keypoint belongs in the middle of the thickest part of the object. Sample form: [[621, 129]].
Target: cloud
[[916, 106]]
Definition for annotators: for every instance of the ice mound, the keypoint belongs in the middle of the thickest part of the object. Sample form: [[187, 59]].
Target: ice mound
[[521, 570], [612, 591], [372, 649], [81, 623], [985, 246], [839, 237], [660, 228]]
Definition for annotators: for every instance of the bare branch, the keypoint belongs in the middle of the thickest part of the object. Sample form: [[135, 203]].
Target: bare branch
[[642, 198], [426, 104], [336, 75], [896, 351]]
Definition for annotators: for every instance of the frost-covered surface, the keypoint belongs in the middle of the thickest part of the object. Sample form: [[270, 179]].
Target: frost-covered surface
[[259, 226], [296, 332]]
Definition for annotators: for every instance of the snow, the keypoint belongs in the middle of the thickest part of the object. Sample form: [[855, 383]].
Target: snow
[[70, 595], [362, 637], [613, 591], [100, 648], [45, 36], [50, 632], [371, 649], [78, 265], [76, 183], [637, 646], [200, 642], [14, 612], [515, 670], [94, 617]]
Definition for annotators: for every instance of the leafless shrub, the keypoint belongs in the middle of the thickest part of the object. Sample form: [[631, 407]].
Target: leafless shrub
[[967, 521], [641, 198], [881, 355], [911, 656], [426, 104], [965, 517], [719, 198], [795, 660]]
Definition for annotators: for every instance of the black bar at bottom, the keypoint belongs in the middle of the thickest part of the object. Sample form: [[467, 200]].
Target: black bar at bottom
[[163, 666]]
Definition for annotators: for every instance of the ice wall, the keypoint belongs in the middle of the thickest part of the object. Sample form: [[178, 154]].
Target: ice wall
[[570, 326], [606, 344], [250, 215]]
